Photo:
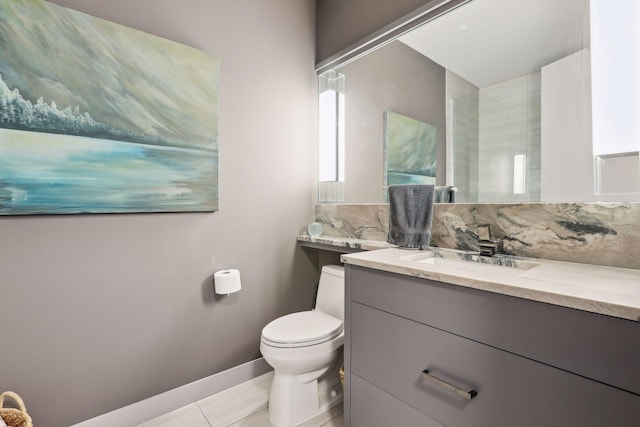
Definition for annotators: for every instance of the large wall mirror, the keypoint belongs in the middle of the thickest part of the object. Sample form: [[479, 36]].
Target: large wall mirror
[[526, 100]]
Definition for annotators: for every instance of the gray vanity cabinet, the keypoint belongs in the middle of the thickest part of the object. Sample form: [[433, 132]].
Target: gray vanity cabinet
[[490, 360]]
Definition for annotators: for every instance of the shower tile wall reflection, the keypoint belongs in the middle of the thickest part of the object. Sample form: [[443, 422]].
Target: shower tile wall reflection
[[488, 129], [462, 136], [509, 126]]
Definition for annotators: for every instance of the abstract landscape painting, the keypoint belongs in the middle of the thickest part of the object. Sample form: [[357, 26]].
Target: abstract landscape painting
[[96, 117], [409, 151]]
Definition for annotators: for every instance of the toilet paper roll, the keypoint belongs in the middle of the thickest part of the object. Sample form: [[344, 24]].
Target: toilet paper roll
[[227, 281]]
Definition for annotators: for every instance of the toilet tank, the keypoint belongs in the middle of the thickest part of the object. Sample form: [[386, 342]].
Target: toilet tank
[[330, 297]]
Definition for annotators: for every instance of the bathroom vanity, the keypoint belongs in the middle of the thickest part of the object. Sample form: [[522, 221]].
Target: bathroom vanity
[[440, 338]]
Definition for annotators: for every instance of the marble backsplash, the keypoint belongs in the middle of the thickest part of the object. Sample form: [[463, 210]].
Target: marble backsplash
[[591, 233]]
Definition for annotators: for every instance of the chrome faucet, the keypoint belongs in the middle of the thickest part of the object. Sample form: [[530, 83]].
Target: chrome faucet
[[488, 246]]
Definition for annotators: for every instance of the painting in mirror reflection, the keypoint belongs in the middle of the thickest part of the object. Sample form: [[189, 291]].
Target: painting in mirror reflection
[[410, 150]]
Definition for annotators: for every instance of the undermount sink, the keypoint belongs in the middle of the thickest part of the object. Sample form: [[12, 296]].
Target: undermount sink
[[471, 261]]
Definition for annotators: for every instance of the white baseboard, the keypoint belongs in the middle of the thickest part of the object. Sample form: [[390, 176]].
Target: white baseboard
[[155, 406]]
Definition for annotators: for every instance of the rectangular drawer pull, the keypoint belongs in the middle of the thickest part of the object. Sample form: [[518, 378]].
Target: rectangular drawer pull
[[466, 394]]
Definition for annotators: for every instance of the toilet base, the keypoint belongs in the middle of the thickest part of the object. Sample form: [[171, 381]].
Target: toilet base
[[295, 399]]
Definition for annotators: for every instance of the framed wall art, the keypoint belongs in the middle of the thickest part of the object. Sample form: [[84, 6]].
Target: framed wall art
[[96, 117]]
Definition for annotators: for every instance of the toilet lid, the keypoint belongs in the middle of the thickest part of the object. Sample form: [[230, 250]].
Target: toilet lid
[[302, 329]]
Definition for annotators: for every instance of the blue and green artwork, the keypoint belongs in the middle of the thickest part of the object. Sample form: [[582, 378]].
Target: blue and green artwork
[[96, 117], [410, 150]]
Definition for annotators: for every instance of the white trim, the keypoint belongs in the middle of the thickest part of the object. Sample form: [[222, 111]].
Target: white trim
[[162, 403]]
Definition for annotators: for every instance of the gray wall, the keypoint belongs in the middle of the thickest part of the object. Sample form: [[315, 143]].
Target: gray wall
[[342, 23], [99, 311], [397, 78]]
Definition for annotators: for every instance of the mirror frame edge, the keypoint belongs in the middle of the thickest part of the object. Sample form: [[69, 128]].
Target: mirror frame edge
[[431, 10]]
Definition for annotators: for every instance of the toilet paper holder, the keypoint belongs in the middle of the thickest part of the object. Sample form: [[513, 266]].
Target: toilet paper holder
[[227, 281]]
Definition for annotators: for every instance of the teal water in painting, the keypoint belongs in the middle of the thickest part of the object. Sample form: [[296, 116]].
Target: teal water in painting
[[398, 178], [61, 174]]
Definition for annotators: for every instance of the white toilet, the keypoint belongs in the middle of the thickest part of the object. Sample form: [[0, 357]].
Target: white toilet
[[303, 349]]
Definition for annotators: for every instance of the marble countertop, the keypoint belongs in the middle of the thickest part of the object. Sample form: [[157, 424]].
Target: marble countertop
[[343, 242], [604, 290]]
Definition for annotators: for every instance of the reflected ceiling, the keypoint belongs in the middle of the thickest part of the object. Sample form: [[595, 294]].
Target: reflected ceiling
[[491, 41]]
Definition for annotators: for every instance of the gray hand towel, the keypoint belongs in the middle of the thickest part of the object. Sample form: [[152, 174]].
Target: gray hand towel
[[410, 215], [445, 194]]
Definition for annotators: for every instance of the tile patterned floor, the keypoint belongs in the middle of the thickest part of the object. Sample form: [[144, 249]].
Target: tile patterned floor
[[244, 405]]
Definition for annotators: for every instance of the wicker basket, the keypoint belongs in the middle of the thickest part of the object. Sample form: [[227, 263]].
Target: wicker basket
[[14, 417]]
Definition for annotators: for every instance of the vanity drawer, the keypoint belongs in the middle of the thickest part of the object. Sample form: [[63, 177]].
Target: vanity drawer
[[588, 344], [372, 407], [391, 352]]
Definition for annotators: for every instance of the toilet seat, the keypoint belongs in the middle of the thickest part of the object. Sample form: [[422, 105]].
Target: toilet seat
[[301, 329]]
